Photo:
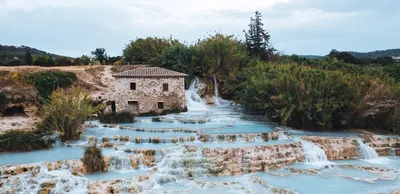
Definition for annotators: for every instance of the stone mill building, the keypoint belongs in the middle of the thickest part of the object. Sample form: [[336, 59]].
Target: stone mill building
[[147, 89]]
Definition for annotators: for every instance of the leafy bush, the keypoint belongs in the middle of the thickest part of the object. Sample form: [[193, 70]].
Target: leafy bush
[[47, 82], [65, 112], [15, 140], [93, 159], [121, 117], [312, 98]]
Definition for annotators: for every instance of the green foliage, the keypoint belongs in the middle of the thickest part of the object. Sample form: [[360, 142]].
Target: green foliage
[[65, 112], [121, 117], [257, 39], [44, 61], [156, 119], [63, 61], [100, 55], [347, 57], [16, 140], [48, 81], [14, 62], [28, 59], [93, 159], [83, 60], [146, 50], [311, 98]]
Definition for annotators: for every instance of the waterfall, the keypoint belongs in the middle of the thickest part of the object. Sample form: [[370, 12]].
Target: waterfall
[[370, 154], [366, 151], [217, 101], [313, 154], [193, 100], [117, 163]]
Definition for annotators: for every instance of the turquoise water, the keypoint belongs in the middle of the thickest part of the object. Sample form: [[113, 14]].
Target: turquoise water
[[220, 120]]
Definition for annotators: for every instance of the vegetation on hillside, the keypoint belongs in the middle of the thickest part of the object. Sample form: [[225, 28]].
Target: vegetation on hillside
[[48, 81], [66, 111], [376, 54]]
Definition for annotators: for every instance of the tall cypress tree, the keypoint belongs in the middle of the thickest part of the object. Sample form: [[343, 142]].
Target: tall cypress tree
[[257, 38]]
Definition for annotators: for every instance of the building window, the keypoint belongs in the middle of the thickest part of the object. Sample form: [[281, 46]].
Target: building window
[[160, 105], [165, 87], [133, 86]]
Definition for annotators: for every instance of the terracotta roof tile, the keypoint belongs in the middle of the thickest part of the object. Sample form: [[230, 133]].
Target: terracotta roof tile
[[149, 72]]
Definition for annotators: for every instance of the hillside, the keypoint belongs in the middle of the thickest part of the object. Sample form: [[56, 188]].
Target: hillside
[[374, 54], [10, 52]]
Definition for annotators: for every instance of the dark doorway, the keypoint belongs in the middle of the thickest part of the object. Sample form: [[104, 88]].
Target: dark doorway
[[113, 107], [14, 111], [133, 107]]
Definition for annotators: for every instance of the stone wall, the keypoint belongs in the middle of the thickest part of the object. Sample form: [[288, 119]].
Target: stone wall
[[149, 91]]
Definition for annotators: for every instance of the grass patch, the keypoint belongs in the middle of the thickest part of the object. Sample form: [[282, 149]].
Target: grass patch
[[122, 117], [93, 159], [65, 112], [14, 140]]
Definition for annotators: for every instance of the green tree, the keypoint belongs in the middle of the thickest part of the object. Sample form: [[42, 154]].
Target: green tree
[[14, 62], [40, 60], [28, 60], [63, 61], [50, 61], [146, 50], [257, 39], [113, 60], [223, 54], [100, 55]]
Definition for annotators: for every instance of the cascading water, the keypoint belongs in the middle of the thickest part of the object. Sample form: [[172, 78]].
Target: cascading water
[[118, 163], [366, 151], [193, 100], [314, 155], [370, 154], [218, 101]]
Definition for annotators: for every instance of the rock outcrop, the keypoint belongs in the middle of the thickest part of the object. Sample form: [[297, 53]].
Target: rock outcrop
[[336, 148], [235, 161]]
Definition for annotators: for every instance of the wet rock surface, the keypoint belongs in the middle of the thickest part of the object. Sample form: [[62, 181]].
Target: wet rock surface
[[336, 148]]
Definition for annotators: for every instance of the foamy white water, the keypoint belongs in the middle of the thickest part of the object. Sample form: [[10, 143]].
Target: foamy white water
[[314, 155], [193, 100]]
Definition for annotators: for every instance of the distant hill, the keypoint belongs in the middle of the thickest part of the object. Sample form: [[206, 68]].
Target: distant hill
[[395, 53], [311, 56], [20, 51]]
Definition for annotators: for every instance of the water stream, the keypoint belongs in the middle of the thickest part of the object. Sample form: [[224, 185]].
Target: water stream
[[171, 156]]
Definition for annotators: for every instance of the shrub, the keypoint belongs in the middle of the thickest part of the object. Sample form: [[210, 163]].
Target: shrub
[[47, 82], [121, 117], [15, 140], [156, 119], [313, 98], [149, 114], [65, 112], [93, 159]]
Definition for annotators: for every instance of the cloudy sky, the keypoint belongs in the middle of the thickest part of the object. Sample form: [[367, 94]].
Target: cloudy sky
[[75, 27]]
